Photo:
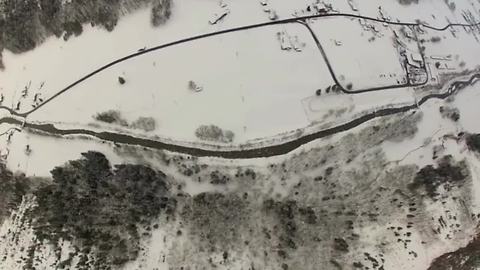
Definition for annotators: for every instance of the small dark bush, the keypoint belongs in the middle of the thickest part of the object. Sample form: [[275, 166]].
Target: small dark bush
[[111, 117]]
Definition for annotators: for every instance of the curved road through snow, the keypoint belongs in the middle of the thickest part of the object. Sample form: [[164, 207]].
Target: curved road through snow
[[260, 152], [237, 29]]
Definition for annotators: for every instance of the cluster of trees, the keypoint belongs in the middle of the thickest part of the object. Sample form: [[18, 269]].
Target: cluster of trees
[[473, 142], [144, 123], [26, 23], [465, 258], [287, 213], [216, 220], [111, 117], [450, 113], [19, 22], [12, 189], [214, 133], [115, 117], [161, 11], [100, 208], [446, 174], [408, 2], [451, 5]]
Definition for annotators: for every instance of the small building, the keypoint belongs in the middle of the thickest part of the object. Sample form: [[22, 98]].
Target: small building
[[415, 59]]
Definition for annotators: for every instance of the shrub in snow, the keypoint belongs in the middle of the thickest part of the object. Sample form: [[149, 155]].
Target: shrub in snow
[[13, 187], [408, 2], [214, 134], [161, 12], [445, 175], [111, 117], [450, 113], [72, 28], [144, 123], [2, 66], [114, 117], [193, 86], [473, 142], [228, 135]]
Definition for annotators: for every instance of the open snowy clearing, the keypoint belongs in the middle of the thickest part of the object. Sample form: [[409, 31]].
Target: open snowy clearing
[[29, 69], [450, 51], [248, 84], [467, 103], [331, 109], [28, 72], [343, 201], [359, 43], [433, 128]]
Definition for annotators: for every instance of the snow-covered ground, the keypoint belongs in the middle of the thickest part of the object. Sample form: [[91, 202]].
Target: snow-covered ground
[[48, 152], [260, 87], [251, 86], [337, 108], [433, 128], [359, 42]]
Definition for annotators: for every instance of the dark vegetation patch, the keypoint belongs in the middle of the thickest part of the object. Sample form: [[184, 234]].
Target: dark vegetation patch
[[26, 23], [12, 189], [100, 209], [473, 142], [408, 2], [215, 220], [450, 113], [144, 123], [340, 244], [287, 215], [161, 12], [446, 174], [111, 117], [451, 5], [218, 178], [147, 124], [466, 258], [214, 134]]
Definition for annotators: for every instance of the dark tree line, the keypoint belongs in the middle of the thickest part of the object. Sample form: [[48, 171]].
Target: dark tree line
[[12, 189], [26, 23], [99, 208]]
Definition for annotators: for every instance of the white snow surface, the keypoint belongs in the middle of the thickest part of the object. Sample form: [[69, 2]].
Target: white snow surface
[[250, 86]]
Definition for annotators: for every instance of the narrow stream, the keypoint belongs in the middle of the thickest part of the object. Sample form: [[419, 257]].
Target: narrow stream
[[260, 152]]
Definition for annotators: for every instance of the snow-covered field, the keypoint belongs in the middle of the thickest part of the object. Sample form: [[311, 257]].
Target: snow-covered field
[[250, 86], [450, 51], [360, 42], [337, 108], [357, 183], [433, 128], [255, 88]]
